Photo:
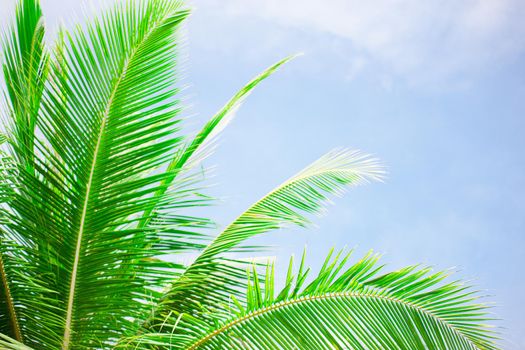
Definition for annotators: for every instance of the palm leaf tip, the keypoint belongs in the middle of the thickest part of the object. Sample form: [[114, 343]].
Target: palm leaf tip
[[305, 193], [203, 143], [333, 173], [351, 166]]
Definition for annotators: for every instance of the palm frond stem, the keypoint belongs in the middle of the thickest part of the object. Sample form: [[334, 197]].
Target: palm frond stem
[[9, 301]]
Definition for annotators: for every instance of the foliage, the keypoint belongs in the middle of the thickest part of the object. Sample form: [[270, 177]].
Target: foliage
[[97, 183]]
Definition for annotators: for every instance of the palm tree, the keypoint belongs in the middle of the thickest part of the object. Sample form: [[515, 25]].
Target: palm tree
[[97, 187]]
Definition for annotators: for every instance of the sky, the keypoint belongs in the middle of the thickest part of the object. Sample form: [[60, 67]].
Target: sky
[[435, 89]]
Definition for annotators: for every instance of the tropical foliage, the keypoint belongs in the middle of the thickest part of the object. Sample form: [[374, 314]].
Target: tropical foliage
[[97, 185]]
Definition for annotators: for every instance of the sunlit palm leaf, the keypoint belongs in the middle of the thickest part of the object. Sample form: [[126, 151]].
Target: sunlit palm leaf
[[122, 113], [94, 180], [108, 122], [24, 69], [206, 285], [197, 150], [345, 307], [306, 192], [201, 145]]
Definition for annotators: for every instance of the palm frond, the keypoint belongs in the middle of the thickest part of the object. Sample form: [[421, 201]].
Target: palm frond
[[201, 145], [122, 109], [25, 69], [196, 151], [210, 280], [108, 124], [94, 180], [345, 307], [304, 193]]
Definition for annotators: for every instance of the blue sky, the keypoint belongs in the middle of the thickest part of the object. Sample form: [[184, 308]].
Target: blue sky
[[436, 89]]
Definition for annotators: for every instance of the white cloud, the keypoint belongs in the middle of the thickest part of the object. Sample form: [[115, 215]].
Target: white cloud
[[57, 12], [431, 40]]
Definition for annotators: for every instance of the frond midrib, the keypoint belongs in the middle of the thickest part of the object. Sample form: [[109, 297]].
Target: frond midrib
[[9, 300], [72, 285], [310, 298]]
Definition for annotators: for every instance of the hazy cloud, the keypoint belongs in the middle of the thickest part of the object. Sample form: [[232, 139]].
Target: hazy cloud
[[418, 40]]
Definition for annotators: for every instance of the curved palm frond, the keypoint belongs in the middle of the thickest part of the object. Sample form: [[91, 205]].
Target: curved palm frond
[[210, 280], [94, 179], [306, 192], [201, 145], [107, 124], [343, 307], [125, 133]]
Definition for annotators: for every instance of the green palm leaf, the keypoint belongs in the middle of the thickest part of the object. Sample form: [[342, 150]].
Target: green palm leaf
[[200, 146], [210, 280], [344, 307], [96, 180], [25, 70], [124, 133], [75, 216], [303, 193]]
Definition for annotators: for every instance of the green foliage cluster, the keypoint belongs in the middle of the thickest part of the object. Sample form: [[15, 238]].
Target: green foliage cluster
[[97, 183]]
